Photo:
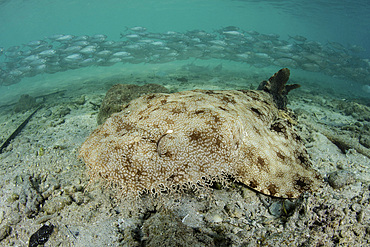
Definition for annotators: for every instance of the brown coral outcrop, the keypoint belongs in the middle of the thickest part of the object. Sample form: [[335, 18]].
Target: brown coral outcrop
[[161, 140], [121, 94]]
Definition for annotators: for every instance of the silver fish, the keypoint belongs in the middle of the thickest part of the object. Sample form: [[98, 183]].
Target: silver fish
[[104, 53], [298, 38], [88, 62], [81, 43], [65, 38], [73, 58], [88, 49], [36, 43], [72, 49], [47, 53], [137, 29], [31, 58], [38, 62], [121, 54]]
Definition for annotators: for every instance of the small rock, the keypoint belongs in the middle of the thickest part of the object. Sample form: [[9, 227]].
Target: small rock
[[79, 187], [69, 190], [50, 191], [57, 122], [81, 100], [43, 219], [163, 229], [2, 216], [48, 187], [56, 204], [365, 141], [233, 210], [14, 218], [356, 207], [13, 197], [193, 220], [62, 112], [339, 179], [216, 218], [78, 197], [30, 197], [5, 231], [25, 103], [47, 113], [276, 209], [364, 215], [282, 208]]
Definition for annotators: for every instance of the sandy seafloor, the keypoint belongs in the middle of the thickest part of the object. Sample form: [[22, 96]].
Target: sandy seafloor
[[44, 182]]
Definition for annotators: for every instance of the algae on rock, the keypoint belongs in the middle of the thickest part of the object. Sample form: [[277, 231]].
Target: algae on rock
[[120, 94]]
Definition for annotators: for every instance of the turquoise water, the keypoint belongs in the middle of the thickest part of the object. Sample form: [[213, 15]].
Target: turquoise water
[[320, 20], [327, 22]]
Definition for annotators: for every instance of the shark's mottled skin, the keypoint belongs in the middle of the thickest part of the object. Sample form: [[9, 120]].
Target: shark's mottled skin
[[193, 137]]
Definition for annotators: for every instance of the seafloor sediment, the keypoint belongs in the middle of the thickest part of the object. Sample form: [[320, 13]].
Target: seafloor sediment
[[43, 181]]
